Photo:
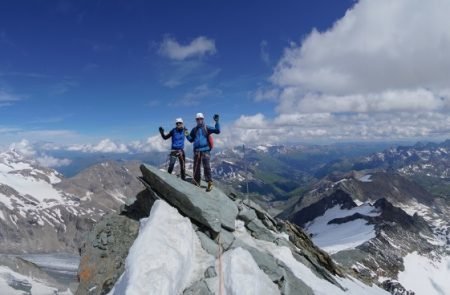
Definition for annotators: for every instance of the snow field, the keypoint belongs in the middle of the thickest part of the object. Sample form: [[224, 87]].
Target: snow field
[[425, 276], [337, 237]]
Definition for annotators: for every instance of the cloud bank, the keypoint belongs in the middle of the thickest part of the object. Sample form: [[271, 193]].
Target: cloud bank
[[380, 72]]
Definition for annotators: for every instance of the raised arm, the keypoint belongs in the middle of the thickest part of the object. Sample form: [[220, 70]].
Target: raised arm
[[215, 129], [165, 137]]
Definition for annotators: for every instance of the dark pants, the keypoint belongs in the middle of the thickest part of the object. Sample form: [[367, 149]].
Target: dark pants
[[174, 155], [199, 158]]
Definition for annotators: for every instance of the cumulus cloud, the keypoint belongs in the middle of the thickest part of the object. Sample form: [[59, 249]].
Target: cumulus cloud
[[379, 73], [198, 47], [377, 45], [28, 151], [52, 162], [104, 146], [325, 127], [152, 144]]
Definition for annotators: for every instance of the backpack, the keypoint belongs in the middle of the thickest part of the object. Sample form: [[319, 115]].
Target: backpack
[[209, 136]]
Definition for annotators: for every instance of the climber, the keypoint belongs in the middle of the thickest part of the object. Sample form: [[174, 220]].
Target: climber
[[201, 137], [178, 135]]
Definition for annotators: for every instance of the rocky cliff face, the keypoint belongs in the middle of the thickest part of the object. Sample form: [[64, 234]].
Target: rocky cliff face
[[178, 239], [42, 212], [372, 224]]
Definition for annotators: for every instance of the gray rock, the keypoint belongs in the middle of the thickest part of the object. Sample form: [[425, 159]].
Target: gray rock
[[207, 244], [291, 285], [260, 231], [101, 266], [226, 239], [265, 261], [210, 272], [198, 288], [213, 210], [247, 214]]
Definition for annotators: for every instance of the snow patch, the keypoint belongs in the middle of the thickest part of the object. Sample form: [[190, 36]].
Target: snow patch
[[242, 276], [366, 178], [10, 278], [165, 258], [425, 276], [337, 237]]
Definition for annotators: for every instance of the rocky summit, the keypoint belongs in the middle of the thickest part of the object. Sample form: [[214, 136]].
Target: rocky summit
[[178, 239]]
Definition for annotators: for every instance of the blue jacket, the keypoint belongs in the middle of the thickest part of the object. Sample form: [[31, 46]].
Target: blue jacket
[[177, 138], [199, 136]]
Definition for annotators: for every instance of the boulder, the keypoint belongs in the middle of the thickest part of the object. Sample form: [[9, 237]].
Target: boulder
[[104, 252], [198, 288], [211, 209]]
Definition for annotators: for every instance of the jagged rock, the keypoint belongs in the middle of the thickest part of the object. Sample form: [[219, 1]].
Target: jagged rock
[[311, 252], [213, 210], [141, 206], [265, 261], [226, 239], [207, 244], [246, 214], [210, 272], [395, 288], [260, 231], [291, 285], [198, 288], [111, 237]]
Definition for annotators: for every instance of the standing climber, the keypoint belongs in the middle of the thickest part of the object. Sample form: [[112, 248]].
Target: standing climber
[[178, 135], [201, 137]]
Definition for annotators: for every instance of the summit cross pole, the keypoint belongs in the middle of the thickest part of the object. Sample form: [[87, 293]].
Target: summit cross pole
[[246, 171]]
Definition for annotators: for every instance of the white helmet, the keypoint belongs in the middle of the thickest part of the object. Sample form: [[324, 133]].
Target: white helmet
[[178, 120], [199, 116]]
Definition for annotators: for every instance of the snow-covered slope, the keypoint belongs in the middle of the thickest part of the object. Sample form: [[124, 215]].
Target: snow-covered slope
[[32, 206], [169, 242], [379, 225], [189, 245], [42, 212]]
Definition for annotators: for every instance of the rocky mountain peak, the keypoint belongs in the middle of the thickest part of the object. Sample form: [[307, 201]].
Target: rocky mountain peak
[[177, 239]]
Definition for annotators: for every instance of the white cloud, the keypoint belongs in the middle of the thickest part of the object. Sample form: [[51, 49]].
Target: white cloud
[[325, 127], [28, 150], [104, 146], [50, 161], [23, 147], [266, 94], [414, 100], [377, 45], [152, 144], [379, 73], [198, 47]]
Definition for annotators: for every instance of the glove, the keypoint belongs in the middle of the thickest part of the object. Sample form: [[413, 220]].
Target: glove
[[161, 130], [216, 117], [186, 132]]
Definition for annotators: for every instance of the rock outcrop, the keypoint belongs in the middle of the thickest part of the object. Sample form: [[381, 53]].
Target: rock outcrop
[[227, 229], [193, 202]]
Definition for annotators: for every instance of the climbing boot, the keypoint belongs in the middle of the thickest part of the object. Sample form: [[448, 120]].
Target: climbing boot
[[210, 186]]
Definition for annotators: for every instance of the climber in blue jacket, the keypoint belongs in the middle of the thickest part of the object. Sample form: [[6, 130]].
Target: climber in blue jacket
[[178, 134], [203, 143]]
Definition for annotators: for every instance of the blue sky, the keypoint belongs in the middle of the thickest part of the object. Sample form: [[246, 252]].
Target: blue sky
[[103, 75], [95, 67]]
